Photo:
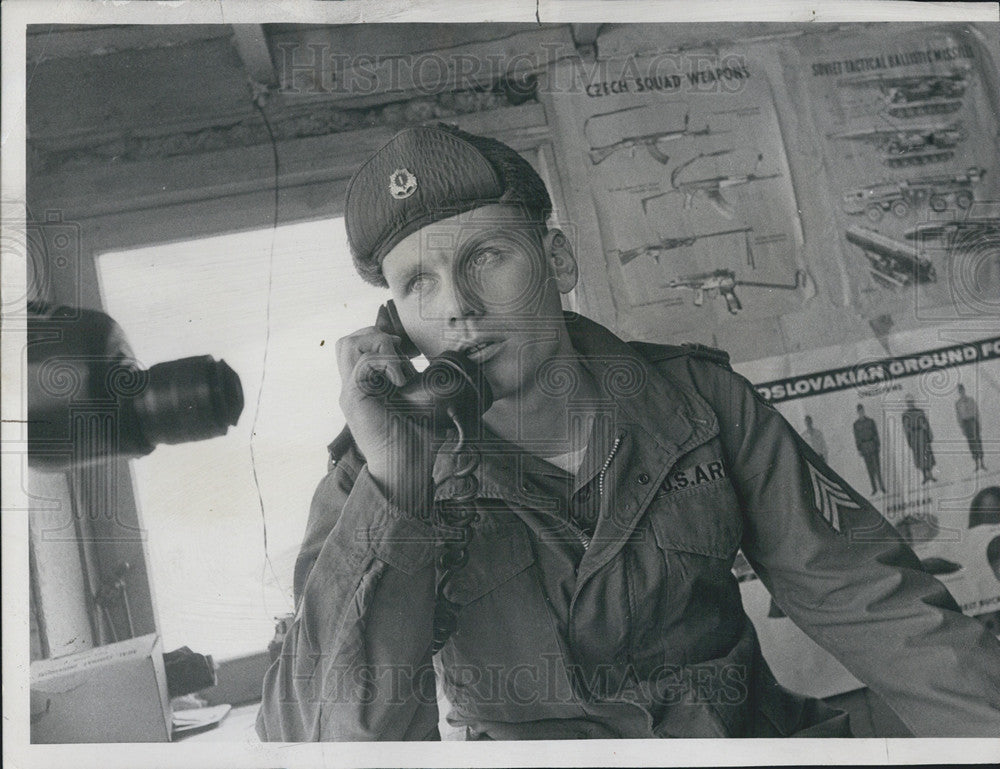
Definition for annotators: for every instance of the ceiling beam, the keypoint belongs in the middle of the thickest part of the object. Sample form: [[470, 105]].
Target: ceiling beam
[[585, 39], [251, 45], [46, 42]]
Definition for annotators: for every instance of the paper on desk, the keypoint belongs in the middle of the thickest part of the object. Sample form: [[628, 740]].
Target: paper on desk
[[198, 718]]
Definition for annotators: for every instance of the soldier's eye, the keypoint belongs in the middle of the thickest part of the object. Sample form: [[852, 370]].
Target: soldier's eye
[[418, 282]]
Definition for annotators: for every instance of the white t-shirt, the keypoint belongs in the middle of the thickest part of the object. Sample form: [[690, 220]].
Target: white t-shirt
[[571, 460]]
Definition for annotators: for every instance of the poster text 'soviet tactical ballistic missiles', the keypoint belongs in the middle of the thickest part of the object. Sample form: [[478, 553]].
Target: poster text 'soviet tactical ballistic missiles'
[[711, 187], [725, 282], [656, 250], [902, 196], [891, 262], [913, 146], [916, 95], [651, 141]]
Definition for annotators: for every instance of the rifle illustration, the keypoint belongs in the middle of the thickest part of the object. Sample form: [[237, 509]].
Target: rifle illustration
[[711, 187], [656, 250], [651, 141], [725, 282]]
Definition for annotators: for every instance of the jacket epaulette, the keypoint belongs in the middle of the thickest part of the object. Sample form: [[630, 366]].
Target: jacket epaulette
[[656, 353], [339, 446]]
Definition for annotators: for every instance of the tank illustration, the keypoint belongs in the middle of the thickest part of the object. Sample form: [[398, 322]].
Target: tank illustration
[[916, 95], [911, 146]]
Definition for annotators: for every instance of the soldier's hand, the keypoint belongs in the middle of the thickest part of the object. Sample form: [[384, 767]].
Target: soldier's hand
[[397, 440]]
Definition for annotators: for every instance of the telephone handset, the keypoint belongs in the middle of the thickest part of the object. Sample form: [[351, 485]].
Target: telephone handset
[[458, 391], [388, 322], [453, 383]]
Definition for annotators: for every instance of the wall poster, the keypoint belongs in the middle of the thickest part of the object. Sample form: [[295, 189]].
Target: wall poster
[[912, 426], [684, 159], [907, 126]]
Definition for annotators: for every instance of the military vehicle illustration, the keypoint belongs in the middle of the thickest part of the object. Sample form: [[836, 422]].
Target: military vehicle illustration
[[916, 95], [892, 263], [711, 187], [901, 197], [948, 232], [912, 146], [724, 282]]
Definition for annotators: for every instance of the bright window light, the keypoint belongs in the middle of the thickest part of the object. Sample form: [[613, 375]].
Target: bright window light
[[213, 588]]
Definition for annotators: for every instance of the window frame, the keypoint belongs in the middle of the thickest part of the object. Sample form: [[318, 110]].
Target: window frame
[[138, 216]]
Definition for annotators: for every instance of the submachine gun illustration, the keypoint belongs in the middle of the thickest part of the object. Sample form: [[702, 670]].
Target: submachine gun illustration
[[892, 262], [711, 187], [656, 250], [916, 95], [912, 146], [725, 282], [651, 141]]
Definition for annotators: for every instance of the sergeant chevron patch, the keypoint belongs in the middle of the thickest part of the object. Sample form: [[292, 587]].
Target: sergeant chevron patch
[[829, 497]]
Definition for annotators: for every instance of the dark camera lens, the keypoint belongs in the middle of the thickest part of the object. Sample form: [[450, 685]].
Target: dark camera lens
[[190, 399], [88, 400]]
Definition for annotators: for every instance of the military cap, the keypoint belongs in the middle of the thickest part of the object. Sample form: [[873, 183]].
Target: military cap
[[425, 174]]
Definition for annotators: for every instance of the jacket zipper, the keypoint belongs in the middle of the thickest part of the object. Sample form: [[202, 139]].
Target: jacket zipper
[[585, 540], [577, 531], [607, 462]]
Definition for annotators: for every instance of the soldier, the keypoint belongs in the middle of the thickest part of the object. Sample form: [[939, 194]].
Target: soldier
[[814, 438], [919, 437], [593, 577], [869, 447], [967, 413]]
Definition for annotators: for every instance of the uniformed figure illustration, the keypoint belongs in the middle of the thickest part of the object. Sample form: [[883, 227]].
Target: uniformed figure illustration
[[967, 413], [919, 437], [870, 448], [558, 590], [814, 438]]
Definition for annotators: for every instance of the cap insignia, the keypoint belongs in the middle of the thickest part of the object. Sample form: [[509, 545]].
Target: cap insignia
[[402, 183]]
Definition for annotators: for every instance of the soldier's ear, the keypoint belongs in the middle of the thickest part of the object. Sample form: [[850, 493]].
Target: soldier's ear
[[559, 254]]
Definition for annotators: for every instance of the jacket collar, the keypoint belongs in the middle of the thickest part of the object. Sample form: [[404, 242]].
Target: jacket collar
[[650, 408], [674, 417]]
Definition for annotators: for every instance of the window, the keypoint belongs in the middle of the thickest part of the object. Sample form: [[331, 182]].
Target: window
[[214, 591]]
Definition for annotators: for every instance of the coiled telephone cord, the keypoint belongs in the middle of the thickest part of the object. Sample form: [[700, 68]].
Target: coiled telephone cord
[[453, 525]]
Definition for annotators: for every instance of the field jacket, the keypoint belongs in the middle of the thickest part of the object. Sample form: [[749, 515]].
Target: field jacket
[[636, 630]]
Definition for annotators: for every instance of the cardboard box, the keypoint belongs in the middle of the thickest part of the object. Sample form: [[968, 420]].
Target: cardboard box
[[113, 693]]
